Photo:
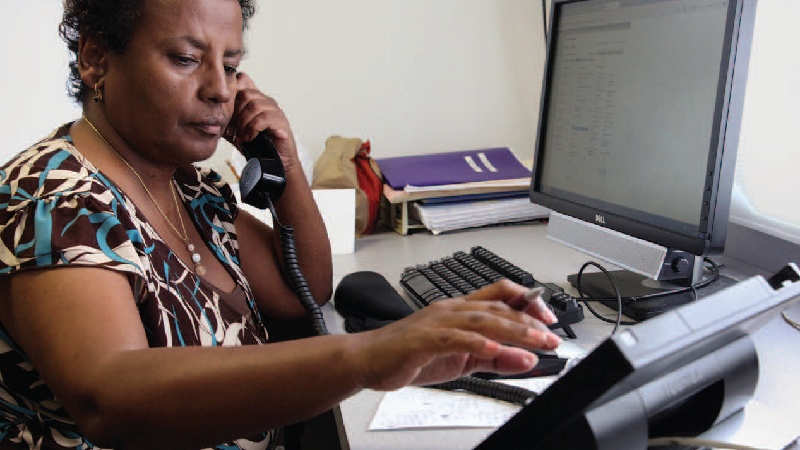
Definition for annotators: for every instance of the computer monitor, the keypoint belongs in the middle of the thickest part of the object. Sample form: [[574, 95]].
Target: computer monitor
[[639, 125]]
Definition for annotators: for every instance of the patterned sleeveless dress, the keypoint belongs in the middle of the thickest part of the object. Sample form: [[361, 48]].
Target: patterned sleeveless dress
[[58, 210]]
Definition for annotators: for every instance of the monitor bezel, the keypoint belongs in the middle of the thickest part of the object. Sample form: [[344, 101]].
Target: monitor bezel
[[708, 235]]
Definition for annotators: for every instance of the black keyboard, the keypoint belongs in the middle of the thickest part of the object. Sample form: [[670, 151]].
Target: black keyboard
[[462, 273]]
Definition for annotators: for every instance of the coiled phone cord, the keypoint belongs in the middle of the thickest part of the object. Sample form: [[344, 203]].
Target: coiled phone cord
[[487, 388], [296, 278]]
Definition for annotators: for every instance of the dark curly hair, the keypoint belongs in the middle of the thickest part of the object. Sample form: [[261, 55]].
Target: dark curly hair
[[113, 21]]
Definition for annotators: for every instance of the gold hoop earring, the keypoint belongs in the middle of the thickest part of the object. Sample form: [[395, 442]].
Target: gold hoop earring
[[98, 95]]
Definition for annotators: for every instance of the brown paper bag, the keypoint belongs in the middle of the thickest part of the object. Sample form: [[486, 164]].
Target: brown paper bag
[[346, 164]]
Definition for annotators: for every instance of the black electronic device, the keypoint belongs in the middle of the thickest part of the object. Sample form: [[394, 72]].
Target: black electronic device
[[368, 301], [263, 174], [462, 273], [549, 364], [675, 375], [637, 136]]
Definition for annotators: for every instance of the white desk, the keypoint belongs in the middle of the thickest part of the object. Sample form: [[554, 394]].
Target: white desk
[[526, 246]]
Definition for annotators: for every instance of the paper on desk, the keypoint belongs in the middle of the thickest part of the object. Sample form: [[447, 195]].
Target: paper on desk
[[444, 217], [416, 407]]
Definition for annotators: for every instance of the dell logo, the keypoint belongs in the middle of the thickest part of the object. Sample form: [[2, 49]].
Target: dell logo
[[599, 219]]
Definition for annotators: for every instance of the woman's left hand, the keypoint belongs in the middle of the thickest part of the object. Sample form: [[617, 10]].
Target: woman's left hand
[[255, 112]]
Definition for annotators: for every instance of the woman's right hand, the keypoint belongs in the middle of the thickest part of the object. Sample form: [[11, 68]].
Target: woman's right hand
[[456, 337]]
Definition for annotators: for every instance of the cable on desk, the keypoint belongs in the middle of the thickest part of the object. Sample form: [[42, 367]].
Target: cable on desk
[[693, 442], [790, 321], [714, 277], [619, 320], [693, 288], [620, 300], [486, 388]]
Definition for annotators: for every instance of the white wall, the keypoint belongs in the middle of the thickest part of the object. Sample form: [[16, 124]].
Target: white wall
[[418, 76], [768, 159], [414, 76], [34, 74]]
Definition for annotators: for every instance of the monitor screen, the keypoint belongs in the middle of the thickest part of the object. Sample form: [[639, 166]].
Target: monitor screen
[[641, 107], [636, 122]]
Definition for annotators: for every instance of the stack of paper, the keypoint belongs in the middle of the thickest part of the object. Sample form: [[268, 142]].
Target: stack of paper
[[448, 216], [411, 193], [457, 190]]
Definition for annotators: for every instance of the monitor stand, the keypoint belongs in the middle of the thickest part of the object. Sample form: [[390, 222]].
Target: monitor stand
[[595, 285]]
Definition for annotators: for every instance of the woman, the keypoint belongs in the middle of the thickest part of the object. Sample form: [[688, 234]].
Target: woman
[[133, 289]]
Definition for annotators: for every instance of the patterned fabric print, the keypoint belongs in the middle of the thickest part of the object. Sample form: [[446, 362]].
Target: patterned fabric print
[[56, 209]]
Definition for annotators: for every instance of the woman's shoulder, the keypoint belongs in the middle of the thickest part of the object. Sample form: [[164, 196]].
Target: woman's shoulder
[[52, 179], [50, 167], [60, 210]]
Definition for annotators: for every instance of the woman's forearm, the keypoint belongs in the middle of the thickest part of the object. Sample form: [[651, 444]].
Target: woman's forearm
[[193, 397]]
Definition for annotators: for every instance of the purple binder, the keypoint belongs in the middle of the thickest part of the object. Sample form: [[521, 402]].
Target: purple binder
[[452, 168]]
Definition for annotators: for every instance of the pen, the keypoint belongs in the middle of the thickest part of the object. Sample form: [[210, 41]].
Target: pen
[[521, 301]]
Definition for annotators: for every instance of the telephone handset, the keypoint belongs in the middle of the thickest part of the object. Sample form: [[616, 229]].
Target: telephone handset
[[263, 175]]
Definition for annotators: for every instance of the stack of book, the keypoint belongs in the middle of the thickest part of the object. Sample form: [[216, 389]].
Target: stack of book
[[456, 190]]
